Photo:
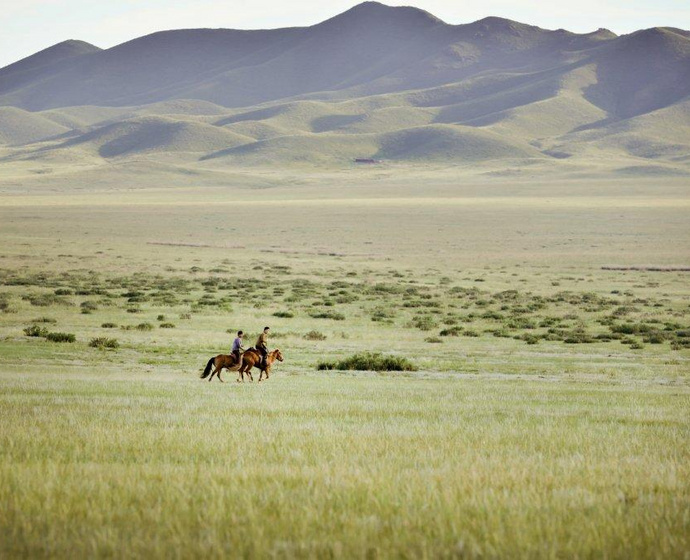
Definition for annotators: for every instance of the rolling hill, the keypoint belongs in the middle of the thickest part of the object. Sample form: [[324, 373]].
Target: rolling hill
[[393, 83]]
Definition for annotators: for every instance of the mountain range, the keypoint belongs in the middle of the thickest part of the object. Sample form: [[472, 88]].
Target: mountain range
[[390, 83]]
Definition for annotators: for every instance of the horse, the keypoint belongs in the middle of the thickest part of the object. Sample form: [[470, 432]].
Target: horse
[[252, 358], [217, 363]]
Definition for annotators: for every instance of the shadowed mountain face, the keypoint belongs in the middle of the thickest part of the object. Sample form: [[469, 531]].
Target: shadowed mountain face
[[386, 77]]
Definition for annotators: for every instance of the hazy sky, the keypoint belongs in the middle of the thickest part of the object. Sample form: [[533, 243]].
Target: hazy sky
[[27, 26]]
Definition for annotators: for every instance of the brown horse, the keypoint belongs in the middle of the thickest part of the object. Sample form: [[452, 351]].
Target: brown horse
[[252, 358], [219, 362]]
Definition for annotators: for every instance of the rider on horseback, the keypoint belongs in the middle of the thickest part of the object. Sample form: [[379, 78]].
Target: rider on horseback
[[237, 349], [262, 346]]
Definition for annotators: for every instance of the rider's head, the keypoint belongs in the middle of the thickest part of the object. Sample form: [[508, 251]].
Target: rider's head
[[266, 329], [239, 333]]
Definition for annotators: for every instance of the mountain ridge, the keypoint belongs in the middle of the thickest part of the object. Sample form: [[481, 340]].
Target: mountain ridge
[[370, 81]]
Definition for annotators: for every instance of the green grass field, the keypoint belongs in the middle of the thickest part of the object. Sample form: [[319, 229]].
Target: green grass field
[[548, 415]]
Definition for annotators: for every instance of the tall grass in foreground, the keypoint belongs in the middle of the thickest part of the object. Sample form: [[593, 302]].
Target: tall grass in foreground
[[341, 467]]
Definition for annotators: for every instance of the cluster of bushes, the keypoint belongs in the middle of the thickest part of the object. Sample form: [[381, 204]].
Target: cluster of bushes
[[315, 335], [42, 332], [284, 314], [423, 322], [35, 330], [5, 304], [327, 315], [45, 300], [103, 342], [60, 337], [369, 361]]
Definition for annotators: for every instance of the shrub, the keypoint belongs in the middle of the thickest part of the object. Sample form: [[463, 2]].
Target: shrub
[[655, 337], [382, 316], [452, 331], [5, 305], [45, 300], [368, 361], [577, 337], [61, 337], [109, 326], [45, 320], [103, 342], [530, 338], [424, 322], [315, 335], [471, 333], [63, 292], [433, 340], [284, 314], [160, 318], [167, 325], [144, 327], [328, 315], [494, 315], [501, 333], [88, 307], [35, 330]]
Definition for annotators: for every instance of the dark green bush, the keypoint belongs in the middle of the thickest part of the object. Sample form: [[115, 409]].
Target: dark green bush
[[368, 361], [284, 314], [167, 325], [423, 322], [315, 335], [109, 326], [45, 300], [327, 315], [530, 338], [103, 342], [61, 337], [5, 305], [144, 327], [35, 330], [45, 320], [88, 307], [452, 331], [654, 337]]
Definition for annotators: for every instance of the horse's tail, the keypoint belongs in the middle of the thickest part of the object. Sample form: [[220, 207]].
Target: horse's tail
[[209, 366]]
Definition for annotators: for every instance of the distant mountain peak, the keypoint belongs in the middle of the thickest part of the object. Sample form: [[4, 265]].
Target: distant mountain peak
[[376, 11], [71, 47], [60, 51]]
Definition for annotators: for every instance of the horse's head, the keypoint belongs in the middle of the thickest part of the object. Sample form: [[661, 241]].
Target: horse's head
[[278, 355]]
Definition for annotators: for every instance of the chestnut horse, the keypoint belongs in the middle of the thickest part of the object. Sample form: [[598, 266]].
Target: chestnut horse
[[217, 363], [251, 358]]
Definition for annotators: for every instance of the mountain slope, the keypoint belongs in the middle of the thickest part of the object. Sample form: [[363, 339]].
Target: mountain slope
[[375, 81]]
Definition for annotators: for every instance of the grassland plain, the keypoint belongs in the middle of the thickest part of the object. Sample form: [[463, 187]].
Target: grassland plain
[[548, 416]]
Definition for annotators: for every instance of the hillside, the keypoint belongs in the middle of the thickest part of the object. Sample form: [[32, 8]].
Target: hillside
[[393, 83]]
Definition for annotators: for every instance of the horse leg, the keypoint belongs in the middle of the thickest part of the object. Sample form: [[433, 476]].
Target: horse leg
[[219, 377], [215, 370]]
